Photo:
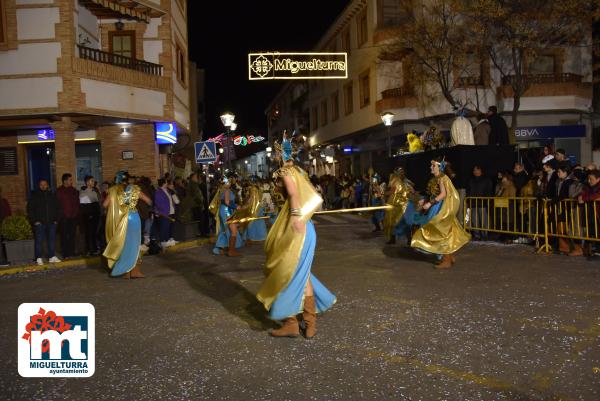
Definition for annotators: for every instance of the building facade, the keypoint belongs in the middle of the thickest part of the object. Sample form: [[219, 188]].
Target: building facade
[[346, 113], [95, 87]]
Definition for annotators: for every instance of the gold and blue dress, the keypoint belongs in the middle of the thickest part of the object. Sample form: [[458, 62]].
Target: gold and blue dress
[[123, 229], [222, 213], [440, 232], [255, 230], [399, 200], [290, 255]]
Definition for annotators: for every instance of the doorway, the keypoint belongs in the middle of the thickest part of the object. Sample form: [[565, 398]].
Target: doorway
[[41, 164]]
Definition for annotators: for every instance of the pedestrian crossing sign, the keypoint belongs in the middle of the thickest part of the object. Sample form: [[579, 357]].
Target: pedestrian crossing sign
[[206, 152]]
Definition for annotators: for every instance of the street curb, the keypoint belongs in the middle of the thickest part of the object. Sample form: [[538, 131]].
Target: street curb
[[93, 261]]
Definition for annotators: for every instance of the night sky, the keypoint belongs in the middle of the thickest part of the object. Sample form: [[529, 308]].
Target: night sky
[[222, 33]]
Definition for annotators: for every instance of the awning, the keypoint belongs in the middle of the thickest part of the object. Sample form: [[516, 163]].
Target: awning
[[137, 10]]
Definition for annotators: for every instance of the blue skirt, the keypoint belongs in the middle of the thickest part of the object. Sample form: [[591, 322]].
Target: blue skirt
[[412, 217], [257, 230], [131, 248], [378, 215], [290, 301], [224, 233]]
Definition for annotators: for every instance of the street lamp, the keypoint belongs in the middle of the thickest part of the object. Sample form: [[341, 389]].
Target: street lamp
[[388, 120], [227, 120]]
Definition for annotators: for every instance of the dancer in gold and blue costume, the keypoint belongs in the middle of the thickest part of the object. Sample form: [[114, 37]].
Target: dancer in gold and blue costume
[[123, 227], [439, 233], [223, 207], [256, 230], [400, 188], [289, 287]]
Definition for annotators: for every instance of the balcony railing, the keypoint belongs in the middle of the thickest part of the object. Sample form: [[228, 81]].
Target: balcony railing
[[397, 92], [120, 61], [545, 78]]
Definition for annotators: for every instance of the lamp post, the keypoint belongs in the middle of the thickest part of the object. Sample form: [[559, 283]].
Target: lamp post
[[227, 120], [388, 120]]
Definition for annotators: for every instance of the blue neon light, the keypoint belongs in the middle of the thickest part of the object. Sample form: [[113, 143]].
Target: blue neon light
[[166, 133]]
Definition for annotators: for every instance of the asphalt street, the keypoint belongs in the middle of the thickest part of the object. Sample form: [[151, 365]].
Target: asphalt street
[[503, 324]]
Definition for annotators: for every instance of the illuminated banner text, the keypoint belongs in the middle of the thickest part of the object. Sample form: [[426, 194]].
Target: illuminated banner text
[[297, 66]]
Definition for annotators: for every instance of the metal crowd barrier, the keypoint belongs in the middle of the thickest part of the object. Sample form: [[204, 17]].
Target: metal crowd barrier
[[540, 219]]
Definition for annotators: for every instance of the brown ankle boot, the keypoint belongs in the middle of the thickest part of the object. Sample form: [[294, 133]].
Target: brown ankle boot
[[453, 258], [577, 251], [290, 328], [310, 317], [231, 251], [136, 272], [446, 262], [563, 245]]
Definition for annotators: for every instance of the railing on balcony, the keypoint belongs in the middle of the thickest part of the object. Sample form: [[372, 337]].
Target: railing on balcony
[[397, 92], [120, 61], [545, 78]]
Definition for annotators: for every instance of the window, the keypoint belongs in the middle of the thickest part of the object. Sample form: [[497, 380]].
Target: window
[[472, 72], [122, 43], [180, 61], [364, 89], [315, 118], [3, 32], [346, 41], [324, 113], [348, 103], [362, 34], [390, 13], [335, 106], [543, 64]]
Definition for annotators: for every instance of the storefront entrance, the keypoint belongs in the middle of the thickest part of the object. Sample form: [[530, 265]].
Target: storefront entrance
[[41, 165]]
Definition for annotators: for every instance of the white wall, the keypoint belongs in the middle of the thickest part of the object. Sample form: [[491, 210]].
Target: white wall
[[88, 28], [31, 58], [121, 98], [152, 50], [36, 23], [152, 28], [29, 93], [182, 114]]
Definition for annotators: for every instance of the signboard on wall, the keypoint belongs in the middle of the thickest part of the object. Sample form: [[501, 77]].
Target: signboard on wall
[[166, 133], [550, 132], [275, 65]]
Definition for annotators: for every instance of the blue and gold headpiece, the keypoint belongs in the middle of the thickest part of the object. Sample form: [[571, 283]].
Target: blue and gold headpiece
[[441, 165], [120, 176]]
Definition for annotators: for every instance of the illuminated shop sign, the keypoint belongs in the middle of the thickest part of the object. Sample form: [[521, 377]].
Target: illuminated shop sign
[[45, 134], [247, 140], [549, 132], [275, 65], [166, 133]]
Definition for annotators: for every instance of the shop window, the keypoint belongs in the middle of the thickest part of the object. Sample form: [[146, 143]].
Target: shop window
[[346, 41], [335, 106], [315, 118], [348, 101], [324, 113], [364, 89], [122, 43], [362, 34], [180, 63]]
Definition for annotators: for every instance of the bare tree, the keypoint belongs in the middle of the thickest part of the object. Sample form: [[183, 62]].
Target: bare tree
[[433, 42], [515, 32]]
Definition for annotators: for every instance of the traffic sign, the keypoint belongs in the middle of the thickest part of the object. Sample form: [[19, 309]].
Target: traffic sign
[[206, 152]]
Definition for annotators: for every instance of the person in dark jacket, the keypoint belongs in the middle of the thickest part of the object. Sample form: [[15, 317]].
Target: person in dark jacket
[[479, 186], [520, 177], [68, 198], [499, 129], [43, 210], [89, 203]]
